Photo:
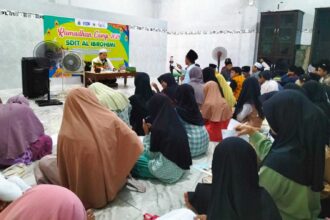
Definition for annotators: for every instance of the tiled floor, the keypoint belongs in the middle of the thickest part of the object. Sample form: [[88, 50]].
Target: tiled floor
[[159, 198]]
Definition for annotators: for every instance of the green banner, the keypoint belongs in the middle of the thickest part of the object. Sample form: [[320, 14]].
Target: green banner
[[86, 37]]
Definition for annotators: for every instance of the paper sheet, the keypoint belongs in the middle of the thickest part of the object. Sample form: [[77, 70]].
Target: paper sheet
[[231, 132], [179, 214], [233, 124], [203, 167]]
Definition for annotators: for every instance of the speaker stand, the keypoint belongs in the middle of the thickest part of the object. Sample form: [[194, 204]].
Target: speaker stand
[[48, 102]]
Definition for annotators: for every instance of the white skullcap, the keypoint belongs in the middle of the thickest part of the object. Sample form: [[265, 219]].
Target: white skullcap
[[103, 50], [258, 65], [9, 191]]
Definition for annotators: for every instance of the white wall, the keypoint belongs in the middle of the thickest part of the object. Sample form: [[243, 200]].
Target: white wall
[[147, 49], [307, 6], [139, 8], [18, 38], [185, 15]]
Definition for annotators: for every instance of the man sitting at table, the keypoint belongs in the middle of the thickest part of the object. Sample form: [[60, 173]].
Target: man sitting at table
[[103, 64]]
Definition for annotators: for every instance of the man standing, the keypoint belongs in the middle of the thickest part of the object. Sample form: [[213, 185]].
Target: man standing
[[225, 71], [190, 60]]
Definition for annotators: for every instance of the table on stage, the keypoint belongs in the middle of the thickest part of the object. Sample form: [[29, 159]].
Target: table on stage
[[96, 77]]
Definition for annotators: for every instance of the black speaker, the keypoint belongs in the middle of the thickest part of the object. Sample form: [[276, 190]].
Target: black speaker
[[35, 79]]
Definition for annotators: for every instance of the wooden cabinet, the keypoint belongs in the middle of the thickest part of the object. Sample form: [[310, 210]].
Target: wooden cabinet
[[280, 32], [321, 35]]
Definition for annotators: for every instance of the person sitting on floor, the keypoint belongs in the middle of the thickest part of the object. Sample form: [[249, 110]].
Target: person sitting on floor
[[196, 81], [236, 82], [323, 71], [246, 71], [113, 100], [47, 202], [316, 92], [234, 162], [96, 151], [227, 91], [102, 63], [139, 100], [19, 99], [325, 195], [215, 111], [267, 83], [249, 108], [22, 138], [169, 85], [209, 75], [192, 120], [166, 147], [256, 69], [291, 77], [292, 168], [11, 189], [294, 86]]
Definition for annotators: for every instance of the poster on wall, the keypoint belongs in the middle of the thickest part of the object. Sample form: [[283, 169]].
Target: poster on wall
[[87, 37]]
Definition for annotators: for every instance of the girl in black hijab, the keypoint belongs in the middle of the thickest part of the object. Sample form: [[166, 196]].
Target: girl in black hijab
[[169, 85], [316, 92], [192, 120], [139, 101], [235, 193], [300, 130], [209, 75], [293, 86], [293, 165], [167, 152], [248, 108], [187, 107]]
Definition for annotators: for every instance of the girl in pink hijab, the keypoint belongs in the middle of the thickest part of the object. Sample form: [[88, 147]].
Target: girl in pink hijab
[[47, 202]]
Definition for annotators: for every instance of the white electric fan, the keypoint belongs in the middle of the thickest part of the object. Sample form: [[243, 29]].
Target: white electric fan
[[219, 54], [72, 62]]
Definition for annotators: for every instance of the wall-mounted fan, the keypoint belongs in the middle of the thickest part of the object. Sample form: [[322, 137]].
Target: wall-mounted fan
[[219, 54], [48, 54]]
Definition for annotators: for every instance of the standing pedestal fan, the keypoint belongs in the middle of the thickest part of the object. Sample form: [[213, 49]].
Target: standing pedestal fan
[[48, 54], [219, 54], [72, 62]]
